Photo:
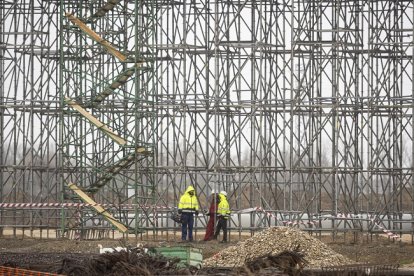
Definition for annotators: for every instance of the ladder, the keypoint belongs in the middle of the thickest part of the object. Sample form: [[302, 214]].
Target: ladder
[[104, 9], [111, 171]]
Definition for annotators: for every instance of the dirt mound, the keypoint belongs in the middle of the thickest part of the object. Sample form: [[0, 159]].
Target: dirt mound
[[273, 241]]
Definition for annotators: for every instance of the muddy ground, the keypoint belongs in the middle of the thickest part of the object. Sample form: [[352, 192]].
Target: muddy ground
[[375, 249]]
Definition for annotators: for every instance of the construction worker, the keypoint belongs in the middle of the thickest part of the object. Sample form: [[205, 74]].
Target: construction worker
[[223, 214], [188, 207], [212, 213]]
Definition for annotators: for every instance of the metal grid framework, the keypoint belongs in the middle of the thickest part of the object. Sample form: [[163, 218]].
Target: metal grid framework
[[300, 110]]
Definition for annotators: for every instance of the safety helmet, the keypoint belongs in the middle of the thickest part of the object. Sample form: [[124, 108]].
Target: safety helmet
[[223, 193], [213, 192]]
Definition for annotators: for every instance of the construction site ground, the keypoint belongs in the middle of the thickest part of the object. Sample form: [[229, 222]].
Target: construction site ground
[[362, 248]]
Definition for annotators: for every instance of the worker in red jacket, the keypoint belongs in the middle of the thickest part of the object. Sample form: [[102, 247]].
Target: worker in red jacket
[[212, 213]]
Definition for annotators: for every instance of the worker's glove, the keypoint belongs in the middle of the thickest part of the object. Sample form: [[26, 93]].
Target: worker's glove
[[196, 213], [180, 211]]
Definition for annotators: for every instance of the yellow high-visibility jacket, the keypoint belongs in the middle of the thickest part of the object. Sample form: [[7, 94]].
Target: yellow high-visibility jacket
[[223, 208], [188, 204]]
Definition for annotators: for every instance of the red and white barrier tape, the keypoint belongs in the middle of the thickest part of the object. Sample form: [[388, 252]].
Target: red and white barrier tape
[[374, 221], [286, 222], [74, 205], [259, 209], [338, 216]]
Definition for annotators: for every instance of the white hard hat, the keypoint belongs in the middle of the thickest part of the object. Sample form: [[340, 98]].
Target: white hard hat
[[223, 193], [213, 192]]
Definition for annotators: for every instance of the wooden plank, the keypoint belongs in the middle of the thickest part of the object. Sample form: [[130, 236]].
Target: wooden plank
[[110, 48], [98, 208], [141, 150], [95, 121]]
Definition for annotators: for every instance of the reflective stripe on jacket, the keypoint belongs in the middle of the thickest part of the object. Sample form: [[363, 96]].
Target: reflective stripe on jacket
[[188, 203], [223, 207]]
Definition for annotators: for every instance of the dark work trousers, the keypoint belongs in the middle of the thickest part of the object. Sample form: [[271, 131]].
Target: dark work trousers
[[221, 225], [187, 222]]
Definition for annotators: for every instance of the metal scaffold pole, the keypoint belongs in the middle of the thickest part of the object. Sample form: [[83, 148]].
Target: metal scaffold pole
[[107, 65], [301, 110]]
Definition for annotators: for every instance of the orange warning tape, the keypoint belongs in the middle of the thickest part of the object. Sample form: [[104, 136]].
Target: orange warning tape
[[15, 271]]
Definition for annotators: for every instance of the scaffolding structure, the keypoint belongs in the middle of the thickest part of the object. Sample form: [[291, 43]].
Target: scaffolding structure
[[301, 110]]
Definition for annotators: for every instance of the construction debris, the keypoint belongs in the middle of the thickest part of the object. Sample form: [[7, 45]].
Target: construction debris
[[138, 261], [290, 262], [134, 261], [272, 242], [131, 262], [285, 263]]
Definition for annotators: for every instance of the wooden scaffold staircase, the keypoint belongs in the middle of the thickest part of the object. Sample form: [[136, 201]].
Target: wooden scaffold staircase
[[132, 152]]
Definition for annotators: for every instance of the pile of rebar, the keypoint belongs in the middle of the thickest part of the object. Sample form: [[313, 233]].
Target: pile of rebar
[[126, 262], [130, 262]]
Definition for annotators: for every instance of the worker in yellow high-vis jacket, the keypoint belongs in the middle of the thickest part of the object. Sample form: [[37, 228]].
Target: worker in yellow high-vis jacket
[[188, 207], [223, 215]]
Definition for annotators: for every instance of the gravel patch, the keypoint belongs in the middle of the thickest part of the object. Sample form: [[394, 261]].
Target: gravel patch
[[273, 241]]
